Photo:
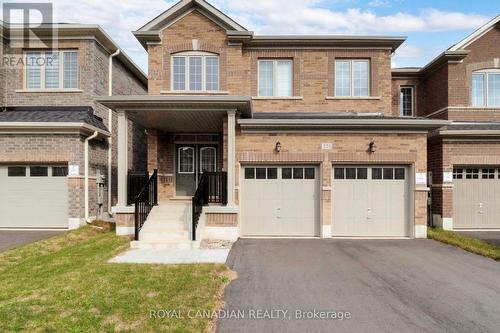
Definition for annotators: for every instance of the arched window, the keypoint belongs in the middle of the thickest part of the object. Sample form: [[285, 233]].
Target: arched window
[[195, 71], [485, 90]]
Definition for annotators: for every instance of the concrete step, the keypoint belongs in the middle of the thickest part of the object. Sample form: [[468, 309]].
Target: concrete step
[[167, 236], [164, 245]]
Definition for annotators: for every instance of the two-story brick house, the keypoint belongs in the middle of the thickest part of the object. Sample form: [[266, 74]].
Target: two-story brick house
[[57, 145], [461, 85], [300, 130]]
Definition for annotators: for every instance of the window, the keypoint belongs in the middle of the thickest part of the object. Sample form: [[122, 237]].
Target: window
[[406, 102], [260, 173], [471, 173], [51, 70], [272, 173], [59, 171], [485, 88], [352, 78], [350, 173], [388, 173], [488, 174], [249, 173], [286, 173], [309, 173], [275, 78], [16, 171], [186, 160], [458, 173], [362, 173], [208, 159], [38, 171], [377, 173], [338, 173], [195, 72], [298, 173]]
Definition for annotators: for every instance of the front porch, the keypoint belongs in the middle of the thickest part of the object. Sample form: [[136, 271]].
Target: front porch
[[190, 195]]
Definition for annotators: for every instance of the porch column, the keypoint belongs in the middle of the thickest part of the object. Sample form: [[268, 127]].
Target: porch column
[[122, 158], [231, 155]]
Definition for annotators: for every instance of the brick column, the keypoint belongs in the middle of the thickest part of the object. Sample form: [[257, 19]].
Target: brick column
[[152, 149]]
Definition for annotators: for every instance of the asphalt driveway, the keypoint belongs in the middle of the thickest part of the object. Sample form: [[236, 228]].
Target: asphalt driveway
[[385, 286], [10, 239]]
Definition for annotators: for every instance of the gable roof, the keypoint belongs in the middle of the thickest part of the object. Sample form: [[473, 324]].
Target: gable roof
[[476, 34], [186, 6]]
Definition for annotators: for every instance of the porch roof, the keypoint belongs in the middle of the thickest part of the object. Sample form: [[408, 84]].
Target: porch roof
[[192, 113]]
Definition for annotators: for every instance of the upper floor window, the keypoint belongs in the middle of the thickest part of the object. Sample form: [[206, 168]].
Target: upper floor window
[[195, 71], [406, 102], [352, 78], [275, 78], [486, 88], [51, 70]]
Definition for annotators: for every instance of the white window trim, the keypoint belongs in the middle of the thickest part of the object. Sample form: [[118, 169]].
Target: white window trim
[[351, 87], [485, 73], [186, 56], [275, 84], [42, 72], [179, 161], [412, 88], [201, 156]]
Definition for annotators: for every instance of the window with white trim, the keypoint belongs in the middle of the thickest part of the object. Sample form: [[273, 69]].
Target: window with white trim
[[275, 78], [485, 88], [51, 70], [195, 71], [185, 160], [406, 102], [352, 78]]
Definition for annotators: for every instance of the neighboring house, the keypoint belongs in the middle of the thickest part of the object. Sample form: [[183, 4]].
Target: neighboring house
[[463, 85], [51, 125], [301, 131]]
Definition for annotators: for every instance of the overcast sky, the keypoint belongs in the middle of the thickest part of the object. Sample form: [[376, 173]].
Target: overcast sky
[[430, 25]]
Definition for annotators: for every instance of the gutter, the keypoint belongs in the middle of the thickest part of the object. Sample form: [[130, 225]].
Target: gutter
[[110, 129], [86, 157]]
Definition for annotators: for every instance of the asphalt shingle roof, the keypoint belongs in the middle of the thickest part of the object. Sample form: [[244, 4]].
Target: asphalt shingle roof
[[71, 114]]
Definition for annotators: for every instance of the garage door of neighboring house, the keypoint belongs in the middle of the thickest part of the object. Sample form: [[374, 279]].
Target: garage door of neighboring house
[[370, 201], [280, 201], [33, 197], [476, 198]]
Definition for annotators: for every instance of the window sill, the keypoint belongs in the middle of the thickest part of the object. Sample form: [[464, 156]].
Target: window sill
[[201, 92], [353, 98], [49, 91], [278, 98]]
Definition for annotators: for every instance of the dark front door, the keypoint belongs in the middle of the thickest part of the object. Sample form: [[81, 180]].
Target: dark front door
[[191, 162]]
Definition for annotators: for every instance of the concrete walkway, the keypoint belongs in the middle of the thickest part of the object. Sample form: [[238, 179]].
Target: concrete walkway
[[10, 239], [172, 256]]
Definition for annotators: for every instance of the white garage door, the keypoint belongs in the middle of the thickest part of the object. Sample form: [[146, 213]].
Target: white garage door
[[370, 201], [476, 198], [280, 201], [33, 197]]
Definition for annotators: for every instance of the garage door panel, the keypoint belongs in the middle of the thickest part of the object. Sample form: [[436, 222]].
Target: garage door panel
[[33, 202], [289, 207], [369, 206], [476, 197]]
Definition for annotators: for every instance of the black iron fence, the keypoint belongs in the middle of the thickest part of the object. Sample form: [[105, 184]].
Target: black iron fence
[[144, 202], [135, 182], [212, 188]]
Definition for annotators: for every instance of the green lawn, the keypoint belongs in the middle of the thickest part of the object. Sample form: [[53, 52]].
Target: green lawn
[[64, 284], [469, 244]]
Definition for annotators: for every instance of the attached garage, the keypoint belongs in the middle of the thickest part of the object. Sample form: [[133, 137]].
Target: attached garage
[[280, 201], [476, 197], [33, 197], [371, 201]]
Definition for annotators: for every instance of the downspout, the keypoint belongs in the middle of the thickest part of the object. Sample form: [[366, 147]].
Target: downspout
[[110, 129], [86, 157]]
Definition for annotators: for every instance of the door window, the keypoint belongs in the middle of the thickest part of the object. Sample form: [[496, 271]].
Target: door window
[[186, 160], [208, 159]]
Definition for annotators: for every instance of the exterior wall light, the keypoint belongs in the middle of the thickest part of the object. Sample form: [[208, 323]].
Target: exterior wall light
[[371, 147], [278, 147]]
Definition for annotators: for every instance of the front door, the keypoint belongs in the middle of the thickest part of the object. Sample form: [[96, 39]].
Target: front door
[[191, 162]]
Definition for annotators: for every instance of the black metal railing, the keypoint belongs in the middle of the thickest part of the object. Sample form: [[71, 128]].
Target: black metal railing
[[136, 180], [144, 202], [212, 188]]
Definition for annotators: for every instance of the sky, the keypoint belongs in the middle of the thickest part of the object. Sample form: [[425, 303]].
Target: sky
[[431, 26]]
